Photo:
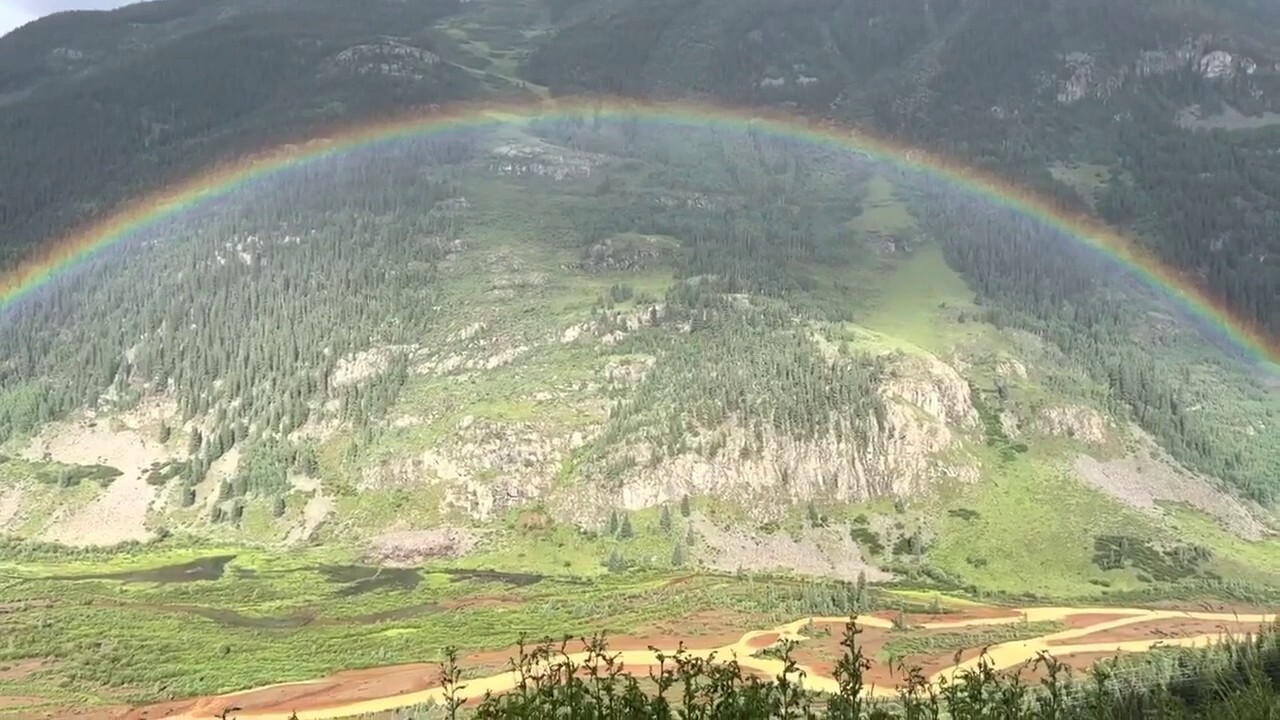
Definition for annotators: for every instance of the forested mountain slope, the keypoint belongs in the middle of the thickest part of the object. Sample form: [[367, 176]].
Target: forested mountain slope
[[1017, 86], [151, 92], [532, 343]]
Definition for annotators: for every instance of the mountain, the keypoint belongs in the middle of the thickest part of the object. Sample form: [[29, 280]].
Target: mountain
[[153, 91], [1032, 89], [582, 370], [508, 341]]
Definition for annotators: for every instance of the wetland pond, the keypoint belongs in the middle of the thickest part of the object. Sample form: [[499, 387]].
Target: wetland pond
[[349, 581], [207, 568]]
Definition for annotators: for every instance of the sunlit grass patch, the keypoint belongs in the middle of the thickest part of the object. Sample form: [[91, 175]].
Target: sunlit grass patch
[[1028, 515], [883, 211]]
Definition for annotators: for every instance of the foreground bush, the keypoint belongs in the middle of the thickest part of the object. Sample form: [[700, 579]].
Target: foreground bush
[[1238, 679]]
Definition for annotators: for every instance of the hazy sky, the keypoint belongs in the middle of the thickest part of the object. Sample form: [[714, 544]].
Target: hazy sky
[[19, 12]]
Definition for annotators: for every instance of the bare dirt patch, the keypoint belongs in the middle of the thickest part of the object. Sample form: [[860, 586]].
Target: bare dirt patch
[[116, 516], [1078, 664], [1213, 606], [820, 652], [700, 629], [10, 504], [316, 429], [335, 690], [1082, 423], [314, 513], [224, 468], [706, 629], [158, 710], [20, 669], [365, 364], [304, 483], [726, 635], [411, 548], [825, 552], [1084, 620], [119, 513], [930, 664], [818, 655], [38, 708], [1147, 478], [12, 702], [761, 642], [1156, 630], [357, 685], [820, 658]]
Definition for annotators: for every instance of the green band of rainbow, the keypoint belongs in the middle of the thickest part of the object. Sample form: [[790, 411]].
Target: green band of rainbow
[[67, 252]]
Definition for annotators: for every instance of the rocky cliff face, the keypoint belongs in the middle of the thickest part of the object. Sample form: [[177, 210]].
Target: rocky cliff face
[[484, 467], [927, 410], [1082, 423], [387, 58], [1085, 74]]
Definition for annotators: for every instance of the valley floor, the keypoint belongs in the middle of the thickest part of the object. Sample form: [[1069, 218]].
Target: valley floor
[[1078, 636], [190, 605]]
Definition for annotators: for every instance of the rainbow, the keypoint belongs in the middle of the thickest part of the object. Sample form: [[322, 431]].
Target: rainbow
[[61, 256]]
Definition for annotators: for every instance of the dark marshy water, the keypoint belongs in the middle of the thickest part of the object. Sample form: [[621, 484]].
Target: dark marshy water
[[347, 581], [208, 568], [355, 579]]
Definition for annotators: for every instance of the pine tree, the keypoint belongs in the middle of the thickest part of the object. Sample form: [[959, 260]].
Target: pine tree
[[916, 544], [615, 563], [900, 621], [677, 556], [626, 532], [664, 520], [690, 538], [851, 601], [613, 523], [685, 509], [307, 463], [815, 518]]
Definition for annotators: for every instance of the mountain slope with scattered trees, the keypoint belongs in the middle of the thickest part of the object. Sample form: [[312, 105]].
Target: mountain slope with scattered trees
[[1011, 86], [574, 318]]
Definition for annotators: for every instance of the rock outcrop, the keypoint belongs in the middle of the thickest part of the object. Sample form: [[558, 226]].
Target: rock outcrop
[[386, 58], [925, 404], [1082, 423], [521, 159], [1085, 75]]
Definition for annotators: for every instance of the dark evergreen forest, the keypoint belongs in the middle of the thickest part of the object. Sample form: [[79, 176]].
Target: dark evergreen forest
[[931, 73]]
